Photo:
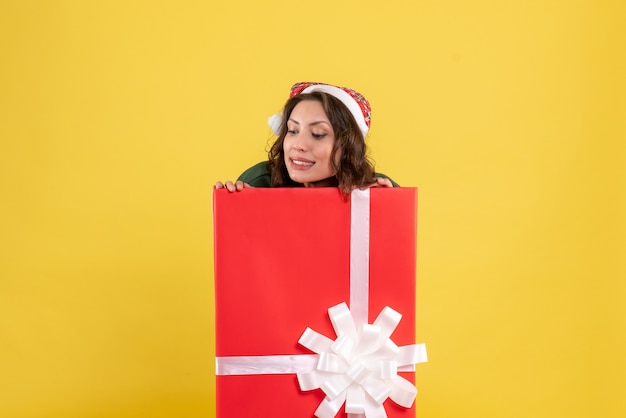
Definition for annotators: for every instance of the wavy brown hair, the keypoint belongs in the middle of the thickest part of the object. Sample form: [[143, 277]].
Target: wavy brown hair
[[354, 169]]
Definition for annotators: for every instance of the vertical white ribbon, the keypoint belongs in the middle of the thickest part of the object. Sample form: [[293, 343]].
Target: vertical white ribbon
[[359, 259], [359, 255]]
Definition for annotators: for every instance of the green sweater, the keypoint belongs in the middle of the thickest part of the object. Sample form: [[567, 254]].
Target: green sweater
[[259, 176]]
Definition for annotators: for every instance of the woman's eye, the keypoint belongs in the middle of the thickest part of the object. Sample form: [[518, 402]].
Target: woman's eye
[[291, 131], [318, 136]]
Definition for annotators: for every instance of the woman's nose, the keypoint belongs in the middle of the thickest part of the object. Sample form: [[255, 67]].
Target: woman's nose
[[299, 142]]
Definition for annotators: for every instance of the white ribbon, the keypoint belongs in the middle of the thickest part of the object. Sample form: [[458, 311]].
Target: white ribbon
[[360, 367], [359, 255]]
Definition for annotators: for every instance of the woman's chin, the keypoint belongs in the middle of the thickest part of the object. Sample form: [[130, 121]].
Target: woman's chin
[[301, 176], [313, 181]]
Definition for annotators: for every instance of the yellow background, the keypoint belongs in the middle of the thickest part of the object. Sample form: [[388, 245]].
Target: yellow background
[[116, 117]]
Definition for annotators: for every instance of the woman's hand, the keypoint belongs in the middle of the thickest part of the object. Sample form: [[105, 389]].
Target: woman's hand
[[232, 187], [380, 182]]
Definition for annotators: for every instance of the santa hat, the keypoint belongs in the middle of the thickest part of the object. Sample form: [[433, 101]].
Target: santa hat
[[356, 103]]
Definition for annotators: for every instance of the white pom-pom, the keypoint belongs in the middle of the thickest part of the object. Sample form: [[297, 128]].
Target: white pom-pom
[[275, 122]]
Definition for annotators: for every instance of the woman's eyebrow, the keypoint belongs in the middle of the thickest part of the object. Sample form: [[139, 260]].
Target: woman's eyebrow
[[320, 121], [310, 124]]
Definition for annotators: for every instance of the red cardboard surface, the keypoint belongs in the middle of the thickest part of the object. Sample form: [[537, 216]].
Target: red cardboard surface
[[282, 258]]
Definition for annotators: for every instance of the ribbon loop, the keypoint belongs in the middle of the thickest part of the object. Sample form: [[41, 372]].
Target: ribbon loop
[[342, 320], [403, 392], [412, 354], [389, 369], [358, 372], [369, 339], [315, 341], [310, 381], [328, 408], [374, 410], [389, 349], [355, 400], [378, 390], [388, 320], [336, 385], [344, 346], [330, 362]]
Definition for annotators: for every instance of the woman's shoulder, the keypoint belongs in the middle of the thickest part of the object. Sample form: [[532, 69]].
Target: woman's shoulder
[[258, 175], [387, 177]]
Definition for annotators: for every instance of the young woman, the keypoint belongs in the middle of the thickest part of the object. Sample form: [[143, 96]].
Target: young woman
[[321, 143]]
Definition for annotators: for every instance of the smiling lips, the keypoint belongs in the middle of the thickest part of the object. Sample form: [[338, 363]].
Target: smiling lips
[[301, 164]]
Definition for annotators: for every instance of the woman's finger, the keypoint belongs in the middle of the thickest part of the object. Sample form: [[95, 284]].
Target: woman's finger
[[230, 186], [383, 182]]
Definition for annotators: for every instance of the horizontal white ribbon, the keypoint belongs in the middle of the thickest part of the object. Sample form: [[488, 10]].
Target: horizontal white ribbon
[[286, 364], [276, 364]]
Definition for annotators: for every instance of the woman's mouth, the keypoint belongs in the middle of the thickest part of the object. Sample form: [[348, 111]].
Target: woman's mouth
[[300, 163]]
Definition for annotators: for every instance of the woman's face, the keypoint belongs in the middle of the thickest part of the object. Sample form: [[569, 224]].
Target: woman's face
[[309, 143]]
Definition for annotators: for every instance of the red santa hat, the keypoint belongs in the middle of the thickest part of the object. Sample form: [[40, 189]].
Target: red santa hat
[[356, 103]]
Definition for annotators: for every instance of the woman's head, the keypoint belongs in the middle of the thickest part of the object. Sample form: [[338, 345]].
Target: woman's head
[[320, 142], [309, 147]]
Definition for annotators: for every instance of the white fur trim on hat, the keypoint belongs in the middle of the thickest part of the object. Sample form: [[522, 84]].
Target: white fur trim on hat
[[275, 122], [346, 99]]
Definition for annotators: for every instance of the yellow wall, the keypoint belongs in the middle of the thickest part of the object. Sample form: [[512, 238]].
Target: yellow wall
[[116, 117]]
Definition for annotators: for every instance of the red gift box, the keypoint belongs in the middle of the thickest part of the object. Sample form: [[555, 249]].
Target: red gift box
[[282, 259]]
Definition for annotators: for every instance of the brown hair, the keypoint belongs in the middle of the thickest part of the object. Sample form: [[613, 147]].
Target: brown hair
[[353, 169]]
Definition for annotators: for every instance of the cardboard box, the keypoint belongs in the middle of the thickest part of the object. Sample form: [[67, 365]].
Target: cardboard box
[[282, 259]]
